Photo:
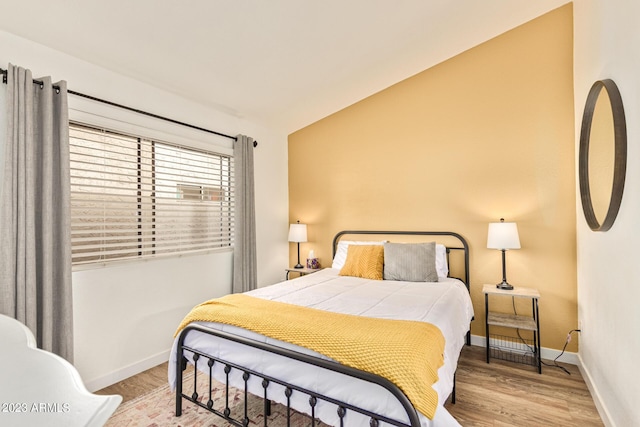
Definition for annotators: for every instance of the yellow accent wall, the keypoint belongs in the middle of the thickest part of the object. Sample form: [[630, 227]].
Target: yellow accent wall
[[484, 135]]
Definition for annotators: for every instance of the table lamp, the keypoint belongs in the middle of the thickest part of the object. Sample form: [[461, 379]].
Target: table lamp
[[298, 233], [503, 236]]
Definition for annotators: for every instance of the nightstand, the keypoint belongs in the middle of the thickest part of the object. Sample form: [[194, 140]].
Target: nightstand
[[302, 271], [513, 349]]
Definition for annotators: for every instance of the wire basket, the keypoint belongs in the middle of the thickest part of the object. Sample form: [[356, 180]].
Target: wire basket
[[513, 349]]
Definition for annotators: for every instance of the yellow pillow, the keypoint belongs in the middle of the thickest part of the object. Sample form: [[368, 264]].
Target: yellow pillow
[[366, 261]]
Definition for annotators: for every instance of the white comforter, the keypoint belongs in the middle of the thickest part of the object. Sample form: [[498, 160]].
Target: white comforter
[[446, 304]]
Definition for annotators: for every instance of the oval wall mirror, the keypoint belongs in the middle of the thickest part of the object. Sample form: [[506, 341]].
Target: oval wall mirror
[[602, 155]]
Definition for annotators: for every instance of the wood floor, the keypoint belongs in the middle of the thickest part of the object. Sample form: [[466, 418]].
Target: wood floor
[[139, 384], [498, 394], [508, 394]]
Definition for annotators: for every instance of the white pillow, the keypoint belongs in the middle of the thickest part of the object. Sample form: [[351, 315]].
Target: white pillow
[[441, 260], [341, 252]]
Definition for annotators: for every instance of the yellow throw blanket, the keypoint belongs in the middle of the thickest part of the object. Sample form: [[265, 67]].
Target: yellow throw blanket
[[408, 353]]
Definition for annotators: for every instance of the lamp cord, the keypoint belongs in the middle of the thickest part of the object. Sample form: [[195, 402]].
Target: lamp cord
[[555, 361]]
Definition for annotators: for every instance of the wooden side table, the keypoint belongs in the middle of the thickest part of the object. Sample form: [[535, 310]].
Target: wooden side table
[[301, 271], [524, 322]]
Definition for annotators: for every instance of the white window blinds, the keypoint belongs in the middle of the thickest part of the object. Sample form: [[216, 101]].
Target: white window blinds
[[136, 198]]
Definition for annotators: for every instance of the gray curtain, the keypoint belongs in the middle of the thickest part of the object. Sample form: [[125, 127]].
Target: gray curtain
[[245, 270], [35, 241]]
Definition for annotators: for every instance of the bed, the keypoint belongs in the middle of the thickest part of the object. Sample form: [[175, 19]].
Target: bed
[[308, 381]]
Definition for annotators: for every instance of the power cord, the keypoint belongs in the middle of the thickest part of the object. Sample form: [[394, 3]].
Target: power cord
[[555, 361], [532, 350]]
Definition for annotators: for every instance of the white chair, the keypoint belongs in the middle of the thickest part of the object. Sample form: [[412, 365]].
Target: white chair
[[39, 388]]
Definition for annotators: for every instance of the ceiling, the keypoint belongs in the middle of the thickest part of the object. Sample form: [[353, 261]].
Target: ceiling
[[282, 63]]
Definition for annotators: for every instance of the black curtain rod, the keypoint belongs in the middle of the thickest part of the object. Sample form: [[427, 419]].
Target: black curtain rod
[[135, 110]]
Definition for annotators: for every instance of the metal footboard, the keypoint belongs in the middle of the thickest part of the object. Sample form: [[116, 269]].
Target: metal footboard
[[343, 408]]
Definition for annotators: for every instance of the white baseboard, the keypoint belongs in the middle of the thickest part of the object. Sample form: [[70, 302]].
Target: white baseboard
[[546, 353], [595, 395], [127, 371]]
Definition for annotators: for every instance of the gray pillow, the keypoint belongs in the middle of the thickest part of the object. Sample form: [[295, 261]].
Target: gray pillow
[[410, 262]]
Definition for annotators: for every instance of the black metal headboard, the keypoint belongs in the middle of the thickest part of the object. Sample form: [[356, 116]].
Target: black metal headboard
[[465, 246]]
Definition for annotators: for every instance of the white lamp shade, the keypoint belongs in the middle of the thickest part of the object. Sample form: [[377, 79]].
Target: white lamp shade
[[298, 233], [503, 235]]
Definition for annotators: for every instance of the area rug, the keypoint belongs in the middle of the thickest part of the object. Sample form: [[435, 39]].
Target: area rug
[[157, 409]]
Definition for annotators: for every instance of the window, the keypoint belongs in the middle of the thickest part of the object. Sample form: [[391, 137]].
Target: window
[[136, 198]]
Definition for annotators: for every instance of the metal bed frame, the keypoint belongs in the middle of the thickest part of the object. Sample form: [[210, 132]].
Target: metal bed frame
[[289, 389]]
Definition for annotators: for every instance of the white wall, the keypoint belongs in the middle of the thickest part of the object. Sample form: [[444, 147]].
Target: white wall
[[607, 45], [125, 315]]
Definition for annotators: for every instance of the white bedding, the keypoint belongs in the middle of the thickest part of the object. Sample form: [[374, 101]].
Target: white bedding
[[446, 304]]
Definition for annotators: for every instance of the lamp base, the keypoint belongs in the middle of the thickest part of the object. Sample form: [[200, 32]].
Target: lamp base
[[298, 265], [505, 286]]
